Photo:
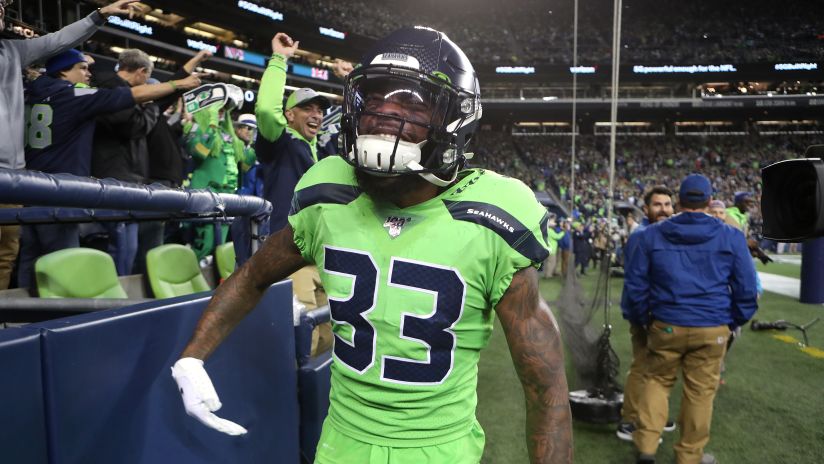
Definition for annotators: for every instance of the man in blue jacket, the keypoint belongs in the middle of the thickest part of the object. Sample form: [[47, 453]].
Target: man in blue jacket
[[657, 207], [689, 281]]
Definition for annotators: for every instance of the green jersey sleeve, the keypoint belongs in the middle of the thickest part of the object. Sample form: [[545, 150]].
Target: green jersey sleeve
[[328, 184], [269, 107], [508, 209]]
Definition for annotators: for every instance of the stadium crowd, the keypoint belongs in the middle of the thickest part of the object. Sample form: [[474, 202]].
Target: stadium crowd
[[532, 32], [731, 162], [119, 123]]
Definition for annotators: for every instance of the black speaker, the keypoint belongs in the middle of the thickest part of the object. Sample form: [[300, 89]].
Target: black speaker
[[792, 202]]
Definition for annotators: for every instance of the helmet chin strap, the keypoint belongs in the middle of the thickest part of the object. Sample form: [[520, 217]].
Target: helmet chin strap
[[431, 177]]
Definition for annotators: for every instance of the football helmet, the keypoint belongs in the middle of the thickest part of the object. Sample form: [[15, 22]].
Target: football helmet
[[412, 106]]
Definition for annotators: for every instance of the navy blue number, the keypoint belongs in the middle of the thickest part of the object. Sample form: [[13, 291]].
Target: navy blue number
[[434, 330], [360, 353]]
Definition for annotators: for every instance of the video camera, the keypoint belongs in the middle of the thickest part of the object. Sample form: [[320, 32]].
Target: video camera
[[792, 201]]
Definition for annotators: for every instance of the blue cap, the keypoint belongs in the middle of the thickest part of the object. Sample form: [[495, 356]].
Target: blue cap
[[64, 60], [742, 196], [695, 188]]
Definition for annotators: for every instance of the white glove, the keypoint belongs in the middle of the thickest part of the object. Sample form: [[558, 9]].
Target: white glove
[[297, 310], [200, 397]]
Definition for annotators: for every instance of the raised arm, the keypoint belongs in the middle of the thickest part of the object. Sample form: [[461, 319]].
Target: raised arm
[[151, 92], [238, 295], [269, 107], [74, 34], [537, 352]]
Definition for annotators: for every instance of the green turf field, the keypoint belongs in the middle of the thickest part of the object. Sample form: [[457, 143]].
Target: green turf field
[[783, 269], [769, 411]]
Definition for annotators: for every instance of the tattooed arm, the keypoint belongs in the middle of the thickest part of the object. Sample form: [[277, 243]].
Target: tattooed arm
[[238, 295], [535, 345]]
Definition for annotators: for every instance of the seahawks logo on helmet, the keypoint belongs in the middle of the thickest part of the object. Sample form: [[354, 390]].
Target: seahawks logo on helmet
[[411, 108]]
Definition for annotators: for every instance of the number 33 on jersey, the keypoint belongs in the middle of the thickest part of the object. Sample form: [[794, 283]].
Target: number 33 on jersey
[[412, 292]]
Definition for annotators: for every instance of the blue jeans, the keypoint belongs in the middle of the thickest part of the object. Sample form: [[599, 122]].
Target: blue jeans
[[122, 245], [36, 241]]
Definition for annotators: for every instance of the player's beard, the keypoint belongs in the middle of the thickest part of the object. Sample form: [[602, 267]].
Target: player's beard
[[389, 189]]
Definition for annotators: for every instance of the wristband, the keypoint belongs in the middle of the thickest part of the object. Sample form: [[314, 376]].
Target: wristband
[[174, 86], [277, 58]]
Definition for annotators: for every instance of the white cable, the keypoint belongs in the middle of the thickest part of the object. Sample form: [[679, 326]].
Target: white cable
[[613, 118], [574, 104]]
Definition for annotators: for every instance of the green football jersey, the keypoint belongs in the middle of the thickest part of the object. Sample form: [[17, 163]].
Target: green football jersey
[[411, 293]]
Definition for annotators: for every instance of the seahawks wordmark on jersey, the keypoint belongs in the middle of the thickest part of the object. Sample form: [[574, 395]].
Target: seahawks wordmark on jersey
[[412, 292]]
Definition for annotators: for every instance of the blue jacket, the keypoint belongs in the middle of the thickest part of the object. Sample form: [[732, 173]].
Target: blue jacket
[[690, 270], [61, 123], [565, 243]]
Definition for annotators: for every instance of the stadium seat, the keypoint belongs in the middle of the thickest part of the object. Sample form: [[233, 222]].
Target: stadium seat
[[225, 257], [173, 271], [77, 273]]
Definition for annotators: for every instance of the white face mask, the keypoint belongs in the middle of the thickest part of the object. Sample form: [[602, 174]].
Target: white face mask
[[375, 152]]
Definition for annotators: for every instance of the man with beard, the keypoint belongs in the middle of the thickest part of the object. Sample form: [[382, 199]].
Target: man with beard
[[738, 216], [689, 280], [415, 253], [657, 207], [743, 203]]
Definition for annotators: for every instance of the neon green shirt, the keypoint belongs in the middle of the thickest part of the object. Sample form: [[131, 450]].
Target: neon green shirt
[[412, 292], [742, 219]]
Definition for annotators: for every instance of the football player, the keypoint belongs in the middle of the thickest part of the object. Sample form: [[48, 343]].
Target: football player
[[415, 254]]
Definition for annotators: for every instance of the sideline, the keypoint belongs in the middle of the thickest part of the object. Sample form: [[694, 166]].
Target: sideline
[[788, 259], [787, 286]]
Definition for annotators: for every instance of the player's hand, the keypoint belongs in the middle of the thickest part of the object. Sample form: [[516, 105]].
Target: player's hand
[[200, 397], [342, 68], [284, 45], [119, 7], [191, 81]]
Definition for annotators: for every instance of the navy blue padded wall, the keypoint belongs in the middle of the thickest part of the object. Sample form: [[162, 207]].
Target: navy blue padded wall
[[314, 378], [111, 398], [22, 421]]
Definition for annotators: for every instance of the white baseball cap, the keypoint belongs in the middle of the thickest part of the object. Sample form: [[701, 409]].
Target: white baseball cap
[[305, 95], [247, 119]]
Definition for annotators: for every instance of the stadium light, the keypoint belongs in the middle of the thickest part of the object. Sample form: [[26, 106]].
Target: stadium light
[[135, 26], [261, 10]]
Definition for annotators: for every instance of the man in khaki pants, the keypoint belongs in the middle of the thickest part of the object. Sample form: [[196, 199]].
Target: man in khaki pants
[[689, 281], [657, 207], [9, 244]]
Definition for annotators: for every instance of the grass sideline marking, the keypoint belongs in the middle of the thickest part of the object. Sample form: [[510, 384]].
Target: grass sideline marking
[[810, 350]]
